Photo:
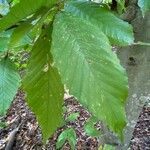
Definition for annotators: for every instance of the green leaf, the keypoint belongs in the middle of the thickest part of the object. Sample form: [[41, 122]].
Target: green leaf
[[14, 2], [9, 83], [44, 89], [107, 1], [2, 125], [144, 5], [4, 8], [19, 35], [47, 16], [91, 130], [108, 147], [120, 5], [90, 70], [118, 31], [4, 40], [69, 135], [61, 139], [72, 139], [72, 117], [22, 10], [3, 43]]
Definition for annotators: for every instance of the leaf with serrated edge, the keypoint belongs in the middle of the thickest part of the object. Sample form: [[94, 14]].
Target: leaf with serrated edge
[[68, 134], [118, 31], [89, 69], [21, 10], [44, 88], [9, 84]]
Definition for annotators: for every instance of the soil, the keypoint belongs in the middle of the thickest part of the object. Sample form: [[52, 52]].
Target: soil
[[29, 135]]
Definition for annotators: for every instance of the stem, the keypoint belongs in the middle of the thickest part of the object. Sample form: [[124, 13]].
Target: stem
[[141, 43]]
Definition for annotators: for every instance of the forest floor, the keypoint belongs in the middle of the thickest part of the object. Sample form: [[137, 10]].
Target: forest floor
[[21, 120]]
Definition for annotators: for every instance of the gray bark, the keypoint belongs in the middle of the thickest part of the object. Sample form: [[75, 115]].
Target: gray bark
[[136, 60]]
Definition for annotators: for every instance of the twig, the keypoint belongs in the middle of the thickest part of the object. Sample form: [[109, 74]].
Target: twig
[[141, 43], [12, 137]]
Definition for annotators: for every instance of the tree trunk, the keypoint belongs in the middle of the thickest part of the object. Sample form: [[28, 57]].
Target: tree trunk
[[136, 60]]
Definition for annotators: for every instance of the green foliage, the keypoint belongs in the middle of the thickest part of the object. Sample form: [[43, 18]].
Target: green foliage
[[13, 39], [9, 83], [4, 8], [19, 35], [120, 5], [4, 40], [88, 60], [118, 31], [90, 129], [22, 10], [81, 37], [107, 147], [144, 5], [72, 117], [2, 125], [13, 2], [67, 135], [43, 86]]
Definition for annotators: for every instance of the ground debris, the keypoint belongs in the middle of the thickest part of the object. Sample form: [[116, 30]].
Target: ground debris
[[141, 134], [29, 136]]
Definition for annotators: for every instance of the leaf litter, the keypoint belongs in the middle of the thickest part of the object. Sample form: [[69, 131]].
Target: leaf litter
[[29, 137]]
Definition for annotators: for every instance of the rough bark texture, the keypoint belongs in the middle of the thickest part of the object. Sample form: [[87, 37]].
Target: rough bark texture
[[136, 60]]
